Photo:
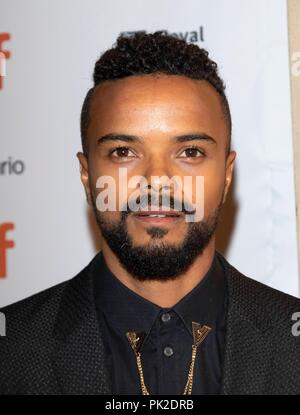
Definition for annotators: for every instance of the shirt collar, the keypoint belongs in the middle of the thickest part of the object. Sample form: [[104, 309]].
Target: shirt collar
[[128, 311]]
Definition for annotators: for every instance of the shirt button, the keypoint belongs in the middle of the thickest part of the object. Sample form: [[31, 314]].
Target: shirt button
[[165, 317], [168, 351]]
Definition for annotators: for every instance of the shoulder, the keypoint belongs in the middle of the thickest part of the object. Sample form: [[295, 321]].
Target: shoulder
[[29, 325], [262, 337], [40, 306], [27, 348], [248, 297]]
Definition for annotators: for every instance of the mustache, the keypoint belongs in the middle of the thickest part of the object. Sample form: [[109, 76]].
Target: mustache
[[158, 200]]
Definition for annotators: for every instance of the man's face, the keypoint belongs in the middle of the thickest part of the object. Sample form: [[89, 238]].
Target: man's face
[[148, 119]]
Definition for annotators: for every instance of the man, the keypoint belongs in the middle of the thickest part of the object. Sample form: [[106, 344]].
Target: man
[[158, 310]]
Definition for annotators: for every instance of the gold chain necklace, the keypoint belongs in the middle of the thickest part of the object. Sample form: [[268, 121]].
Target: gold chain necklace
[[136, 340]]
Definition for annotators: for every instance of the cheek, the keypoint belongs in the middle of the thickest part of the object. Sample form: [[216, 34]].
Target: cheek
[[110, 217], [213, 190], [116, 180], [210, 185]]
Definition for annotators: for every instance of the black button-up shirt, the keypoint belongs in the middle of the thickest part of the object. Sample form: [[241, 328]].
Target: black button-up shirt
[[167, 348]]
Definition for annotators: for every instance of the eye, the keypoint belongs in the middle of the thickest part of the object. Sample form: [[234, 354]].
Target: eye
[[121, 152], [192, 152]]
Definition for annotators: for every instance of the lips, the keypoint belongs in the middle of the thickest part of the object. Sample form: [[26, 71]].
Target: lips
[[159, 213], [158, 216]]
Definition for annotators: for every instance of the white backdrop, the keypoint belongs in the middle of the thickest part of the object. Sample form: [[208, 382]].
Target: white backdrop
[[53, 46]]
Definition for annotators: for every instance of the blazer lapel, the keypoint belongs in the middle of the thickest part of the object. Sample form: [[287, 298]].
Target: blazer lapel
[[79, 359], [248, 348]]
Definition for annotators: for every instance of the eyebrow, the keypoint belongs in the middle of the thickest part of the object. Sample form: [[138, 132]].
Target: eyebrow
[[135, 139], [119, 137], [192, 137]]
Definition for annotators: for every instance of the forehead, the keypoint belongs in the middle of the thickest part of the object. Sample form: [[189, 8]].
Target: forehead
[[157, 102]]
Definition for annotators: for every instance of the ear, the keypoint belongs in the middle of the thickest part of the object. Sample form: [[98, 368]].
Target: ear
[[229, 172], [84, 175]]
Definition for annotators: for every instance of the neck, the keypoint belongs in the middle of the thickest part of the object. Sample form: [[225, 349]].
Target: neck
[[163, 293]]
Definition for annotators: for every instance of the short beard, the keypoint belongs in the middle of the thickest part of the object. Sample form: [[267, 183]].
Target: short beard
[[157, 261]]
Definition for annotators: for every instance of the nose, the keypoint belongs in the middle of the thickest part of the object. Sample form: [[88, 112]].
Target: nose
[[157, 174]]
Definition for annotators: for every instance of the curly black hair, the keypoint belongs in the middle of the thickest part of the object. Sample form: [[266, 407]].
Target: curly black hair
[[154, 53]]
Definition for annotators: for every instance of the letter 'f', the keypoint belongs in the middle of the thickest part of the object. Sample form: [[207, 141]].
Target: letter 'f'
[[4, 54], [4, 245]]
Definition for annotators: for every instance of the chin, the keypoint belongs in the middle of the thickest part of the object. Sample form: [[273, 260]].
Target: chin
[[157, 241]]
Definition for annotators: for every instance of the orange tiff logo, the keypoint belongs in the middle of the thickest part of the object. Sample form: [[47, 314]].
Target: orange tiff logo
[[4, 55], [5, 244]]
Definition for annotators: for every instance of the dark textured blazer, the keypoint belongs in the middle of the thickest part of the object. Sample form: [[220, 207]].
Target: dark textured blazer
[[53, 343]]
